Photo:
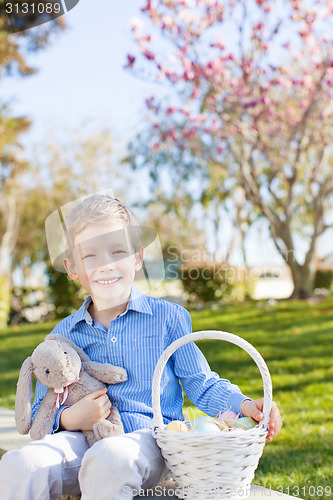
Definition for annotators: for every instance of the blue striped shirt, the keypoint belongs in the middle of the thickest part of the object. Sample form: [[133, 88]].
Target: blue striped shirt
[[135, 340]]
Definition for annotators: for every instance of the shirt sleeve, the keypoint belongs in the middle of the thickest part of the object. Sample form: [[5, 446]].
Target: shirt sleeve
[[56, 424], [210, 393]]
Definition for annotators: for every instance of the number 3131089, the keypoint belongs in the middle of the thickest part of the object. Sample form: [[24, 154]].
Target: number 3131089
[[33, 8], [312, 491]]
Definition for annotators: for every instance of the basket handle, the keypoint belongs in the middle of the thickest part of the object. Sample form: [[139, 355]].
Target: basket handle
[[215, 335]]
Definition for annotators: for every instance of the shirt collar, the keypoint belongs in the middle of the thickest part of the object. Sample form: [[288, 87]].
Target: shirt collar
[[138, 302], [82, 313]]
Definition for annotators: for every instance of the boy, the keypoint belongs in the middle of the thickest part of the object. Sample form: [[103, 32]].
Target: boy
[[120, 325]]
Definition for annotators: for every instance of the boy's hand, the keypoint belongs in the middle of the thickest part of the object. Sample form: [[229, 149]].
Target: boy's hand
[[254, 408], [86, 412]]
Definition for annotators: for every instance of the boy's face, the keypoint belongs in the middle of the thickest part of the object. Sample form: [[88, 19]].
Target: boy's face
[[105, 263]]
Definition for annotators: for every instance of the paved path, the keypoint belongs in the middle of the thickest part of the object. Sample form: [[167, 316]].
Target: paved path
[[11, 439]]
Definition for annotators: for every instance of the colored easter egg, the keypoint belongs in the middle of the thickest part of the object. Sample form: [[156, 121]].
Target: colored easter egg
[[199, 420], [177, 426], [207, 427], [227, 415], [203, 418], [229, 422], [245, 423]]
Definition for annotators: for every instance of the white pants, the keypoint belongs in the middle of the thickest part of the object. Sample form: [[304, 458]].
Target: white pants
[[114, 468]]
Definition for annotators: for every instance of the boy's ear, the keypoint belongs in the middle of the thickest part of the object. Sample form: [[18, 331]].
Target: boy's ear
[[139, 260], [70, 269]]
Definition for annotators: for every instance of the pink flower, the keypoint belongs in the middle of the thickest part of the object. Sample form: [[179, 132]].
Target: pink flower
[[188, 75], [217, 45], [147, 6], [131, 60], [252, 103], [170, 110], [149, 55], [155, 146], [171, 135], [187, 63], [151, 104], [259, 26]]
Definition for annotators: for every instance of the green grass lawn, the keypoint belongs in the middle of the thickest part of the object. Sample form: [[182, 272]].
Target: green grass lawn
[[296, 340]]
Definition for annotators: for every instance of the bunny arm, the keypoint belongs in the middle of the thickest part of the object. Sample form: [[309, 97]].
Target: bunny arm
[[105, 372], [61, 338], [45, 416]]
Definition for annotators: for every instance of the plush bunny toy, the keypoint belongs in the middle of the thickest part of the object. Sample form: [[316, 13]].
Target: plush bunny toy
[[70, 375]]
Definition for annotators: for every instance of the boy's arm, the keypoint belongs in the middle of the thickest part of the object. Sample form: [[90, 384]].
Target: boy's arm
[[205, 388], [207, 391]]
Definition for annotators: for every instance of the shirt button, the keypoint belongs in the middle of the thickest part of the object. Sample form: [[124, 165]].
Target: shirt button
[[114, 339]]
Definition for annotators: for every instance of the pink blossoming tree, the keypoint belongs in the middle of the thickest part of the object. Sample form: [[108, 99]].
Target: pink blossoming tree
[[252, 82]]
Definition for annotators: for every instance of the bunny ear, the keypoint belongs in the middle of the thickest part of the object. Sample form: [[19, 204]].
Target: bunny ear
[[61, 338], [23, 399]]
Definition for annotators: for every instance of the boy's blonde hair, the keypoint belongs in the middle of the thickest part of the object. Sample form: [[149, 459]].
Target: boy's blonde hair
[[96, 208]]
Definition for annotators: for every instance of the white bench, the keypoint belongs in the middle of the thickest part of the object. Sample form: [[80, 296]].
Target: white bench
[[10, 439]]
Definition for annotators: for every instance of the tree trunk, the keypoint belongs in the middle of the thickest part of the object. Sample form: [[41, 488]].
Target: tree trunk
[[303, 278], [4, 300], [10, 220], [303, 275]]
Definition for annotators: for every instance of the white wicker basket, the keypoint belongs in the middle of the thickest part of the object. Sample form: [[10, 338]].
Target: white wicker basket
[[211, 466]]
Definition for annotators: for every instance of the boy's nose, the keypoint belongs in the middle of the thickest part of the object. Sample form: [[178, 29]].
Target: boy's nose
[[106, 263]]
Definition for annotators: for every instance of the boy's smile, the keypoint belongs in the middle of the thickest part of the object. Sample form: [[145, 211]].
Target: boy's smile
[[105, 263], [108, 282]]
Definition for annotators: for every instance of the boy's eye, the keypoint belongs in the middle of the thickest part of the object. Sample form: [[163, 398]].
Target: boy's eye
[[120, 251], [88, 256]]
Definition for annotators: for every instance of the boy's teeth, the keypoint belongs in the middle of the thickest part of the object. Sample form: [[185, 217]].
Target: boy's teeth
[[107, 282]]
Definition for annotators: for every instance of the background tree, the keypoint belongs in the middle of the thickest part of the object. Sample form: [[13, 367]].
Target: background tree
[[13, 61], [14, 48], [62, 171], [252, 83], [10, 206], [174, 222]]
